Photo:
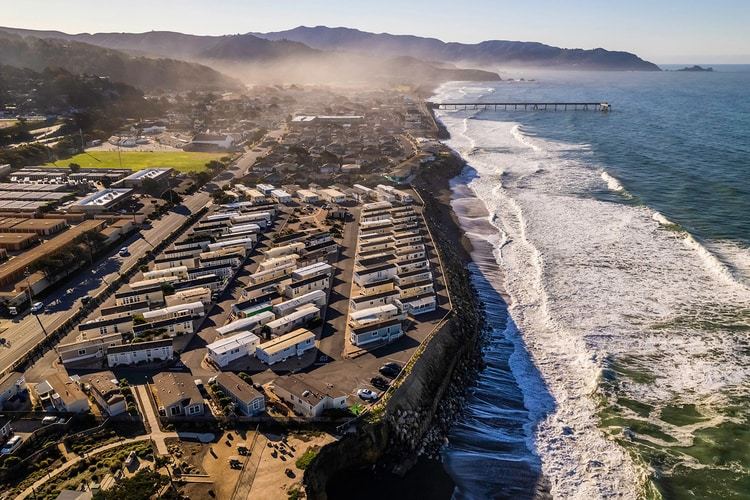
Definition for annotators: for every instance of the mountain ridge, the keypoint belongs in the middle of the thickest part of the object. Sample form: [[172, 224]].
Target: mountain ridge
[[486, 52]]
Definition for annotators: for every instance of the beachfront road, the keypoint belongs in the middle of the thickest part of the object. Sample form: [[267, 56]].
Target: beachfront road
[[24, 332]]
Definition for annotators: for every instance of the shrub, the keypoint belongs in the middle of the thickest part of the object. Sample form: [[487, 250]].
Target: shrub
[[307, 457]]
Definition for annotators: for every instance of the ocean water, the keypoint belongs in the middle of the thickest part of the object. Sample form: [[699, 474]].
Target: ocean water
[[612, 254]]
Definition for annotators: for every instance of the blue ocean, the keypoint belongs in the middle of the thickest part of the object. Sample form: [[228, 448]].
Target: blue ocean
[[611, 251]]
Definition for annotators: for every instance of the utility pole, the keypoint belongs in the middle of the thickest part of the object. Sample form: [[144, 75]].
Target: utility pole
[[28, 285]]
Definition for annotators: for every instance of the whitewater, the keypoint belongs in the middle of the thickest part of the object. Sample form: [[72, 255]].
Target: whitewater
[[589, 281]]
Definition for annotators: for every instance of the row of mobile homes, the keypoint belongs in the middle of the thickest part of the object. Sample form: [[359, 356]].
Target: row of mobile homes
[[87, 349]]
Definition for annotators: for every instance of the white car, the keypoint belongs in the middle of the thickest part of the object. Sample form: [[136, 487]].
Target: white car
[[124, 252], [37, 307], [12, 445], [367, 394], [49, 420]]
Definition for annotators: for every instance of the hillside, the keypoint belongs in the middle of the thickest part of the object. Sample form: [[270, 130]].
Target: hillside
[[81, 58], [487, 53]]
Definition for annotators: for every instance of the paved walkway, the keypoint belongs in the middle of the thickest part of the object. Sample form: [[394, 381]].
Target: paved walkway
[[149, 413]]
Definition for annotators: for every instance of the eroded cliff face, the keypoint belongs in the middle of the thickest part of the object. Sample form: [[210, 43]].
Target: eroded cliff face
[[420, 410]]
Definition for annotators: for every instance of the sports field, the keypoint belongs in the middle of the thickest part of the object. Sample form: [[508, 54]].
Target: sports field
[[137, 160]]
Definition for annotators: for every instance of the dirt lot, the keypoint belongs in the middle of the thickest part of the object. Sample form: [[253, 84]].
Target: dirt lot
[[271, 480]]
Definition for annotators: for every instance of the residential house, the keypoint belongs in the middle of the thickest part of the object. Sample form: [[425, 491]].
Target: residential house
[[305, 398], [177, 395], [140, 353], [247, 400]]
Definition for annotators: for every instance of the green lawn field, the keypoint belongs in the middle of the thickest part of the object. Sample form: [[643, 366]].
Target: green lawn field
[[137, 160]]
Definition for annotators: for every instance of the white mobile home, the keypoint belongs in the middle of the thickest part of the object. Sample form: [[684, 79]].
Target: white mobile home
[[313, 270], [420, 304], [377, 314], [298, 288], [140, 352], [227, 349], [250, 323], [385, 331], [189, 310], [295, 319], [316, 297], [292, 248]]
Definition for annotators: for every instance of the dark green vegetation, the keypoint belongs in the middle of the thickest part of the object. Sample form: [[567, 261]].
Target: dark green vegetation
[[141, 486], [93, 108], [81, 58], [304, 461]]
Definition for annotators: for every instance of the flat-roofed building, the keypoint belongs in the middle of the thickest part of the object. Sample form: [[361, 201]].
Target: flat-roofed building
[[125, 309], [412, 265], [88, 348], [140, 353], [272, 274], [292, 320], [276, 262], [307, 196], [292, 248], [416, 288], [404, 279], [41, 227], [102, 201], [194, 309], [377, 314], [316, 297], [153, 282], [251, 323], [419, 304], [381, 331], [298, 288], [312, 270], [247, 400], [177, 395], [210, 280], [281, 196], [306, 399], [380, 272], [15, 242], [294, 343], [172, 326], [137, 179], [105, 390], [229, 348], [180, 272], [377, 299], [149, 295], [190, 295], [107, 325], [332, 195]]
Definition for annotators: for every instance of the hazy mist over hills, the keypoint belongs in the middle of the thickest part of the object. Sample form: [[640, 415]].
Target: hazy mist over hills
[[301, 55]]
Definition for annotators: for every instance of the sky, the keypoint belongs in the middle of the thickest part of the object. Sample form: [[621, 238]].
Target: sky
[[662, 31]]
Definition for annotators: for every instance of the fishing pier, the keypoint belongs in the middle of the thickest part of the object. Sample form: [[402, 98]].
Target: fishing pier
[[602, 106]]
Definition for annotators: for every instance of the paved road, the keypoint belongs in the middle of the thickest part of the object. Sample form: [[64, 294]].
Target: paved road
[[25, 332]]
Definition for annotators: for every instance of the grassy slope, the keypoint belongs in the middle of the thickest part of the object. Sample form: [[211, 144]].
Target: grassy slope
[[137, 160]]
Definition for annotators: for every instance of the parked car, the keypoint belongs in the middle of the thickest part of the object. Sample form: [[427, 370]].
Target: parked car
[[37, 307], [85, 299], [12, 445], [390, 370], [49, 420], [367, 394], [380, 383], [124, 252]]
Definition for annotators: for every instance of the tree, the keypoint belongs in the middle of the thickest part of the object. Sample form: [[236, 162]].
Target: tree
[[152, 188], [74, 167]]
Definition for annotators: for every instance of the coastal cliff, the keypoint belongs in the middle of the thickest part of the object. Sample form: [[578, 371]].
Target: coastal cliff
[[413, 422]]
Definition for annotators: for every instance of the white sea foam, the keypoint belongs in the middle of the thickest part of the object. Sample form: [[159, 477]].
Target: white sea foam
[[612, 183], [589, 279]]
